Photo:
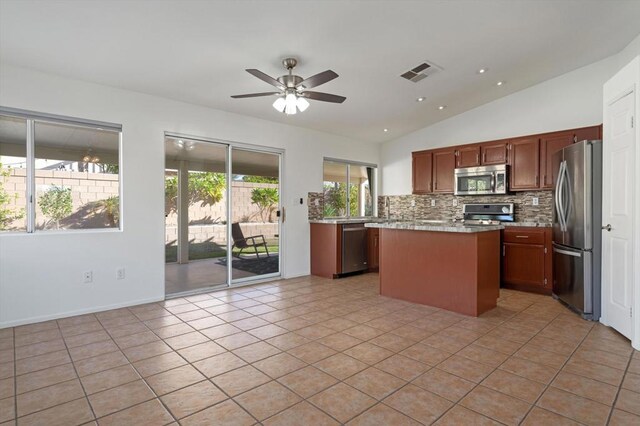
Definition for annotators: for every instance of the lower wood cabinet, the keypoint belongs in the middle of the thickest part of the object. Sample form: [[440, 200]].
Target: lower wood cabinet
[[526, 259], [326, 250], [373, 258]]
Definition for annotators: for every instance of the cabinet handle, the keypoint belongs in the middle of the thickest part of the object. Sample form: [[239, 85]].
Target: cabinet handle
[[522, 236], [484, 157], [477, 158]]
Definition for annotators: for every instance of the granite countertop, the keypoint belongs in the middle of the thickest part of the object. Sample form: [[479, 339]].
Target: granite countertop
[[339, 221], [443, 227], [419, 224], [529, 224]]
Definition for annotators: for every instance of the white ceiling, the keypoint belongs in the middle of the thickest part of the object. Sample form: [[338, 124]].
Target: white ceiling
[[196, 51]]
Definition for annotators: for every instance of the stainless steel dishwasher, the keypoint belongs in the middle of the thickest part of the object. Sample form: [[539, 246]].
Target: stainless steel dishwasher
[[354, 247]]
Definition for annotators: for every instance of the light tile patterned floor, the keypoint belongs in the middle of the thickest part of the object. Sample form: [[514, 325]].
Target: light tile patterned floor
[[311, 351]]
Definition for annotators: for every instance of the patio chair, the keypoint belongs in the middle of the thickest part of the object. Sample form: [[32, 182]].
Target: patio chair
[[242, 242]]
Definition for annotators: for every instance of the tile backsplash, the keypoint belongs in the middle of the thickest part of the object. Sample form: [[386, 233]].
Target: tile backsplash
[[444, 207]]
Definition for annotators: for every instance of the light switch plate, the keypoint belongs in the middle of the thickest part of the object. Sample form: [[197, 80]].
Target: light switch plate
[[535, 201], [413, 203]]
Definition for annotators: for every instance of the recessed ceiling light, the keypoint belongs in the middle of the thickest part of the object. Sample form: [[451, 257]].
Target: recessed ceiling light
[[482, 70], [441, 107], [420, 99], [385, 130], [500, 83]]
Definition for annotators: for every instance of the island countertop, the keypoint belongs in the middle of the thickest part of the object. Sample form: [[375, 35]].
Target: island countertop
[[435, 227]]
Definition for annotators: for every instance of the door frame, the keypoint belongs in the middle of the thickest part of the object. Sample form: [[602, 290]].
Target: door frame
[[230, 145], [624, 82]]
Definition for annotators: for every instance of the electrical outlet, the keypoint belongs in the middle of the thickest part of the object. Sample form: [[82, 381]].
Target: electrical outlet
[[535, 201], [120, 273], [413, 203], [455, 202], [317, 202], [433, 203], [87, 277]]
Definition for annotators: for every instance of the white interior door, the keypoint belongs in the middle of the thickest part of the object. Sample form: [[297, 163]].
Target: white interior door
[[617, 214]]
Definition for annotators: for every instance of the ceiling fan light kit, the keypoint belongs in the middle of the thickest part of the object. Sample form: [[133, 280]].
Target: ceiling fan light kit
[[293, 93]]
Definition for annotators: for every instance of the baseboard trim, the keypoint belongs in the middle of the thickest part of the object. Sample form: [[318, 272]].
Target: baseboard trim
[[67, 314]]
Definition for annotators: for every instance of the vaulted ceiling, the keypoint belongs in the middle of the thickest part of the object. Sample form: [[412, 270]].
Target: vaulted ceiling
[[196, 51]]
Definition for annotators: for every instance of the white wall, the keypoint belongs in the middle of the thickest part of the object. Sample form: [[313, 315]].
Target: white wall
[[568, 101], [41, 274]]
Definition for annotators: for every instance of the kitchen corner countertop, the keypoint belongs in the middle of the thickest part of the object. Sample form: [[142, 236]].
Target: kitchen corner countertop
[[445, 227]]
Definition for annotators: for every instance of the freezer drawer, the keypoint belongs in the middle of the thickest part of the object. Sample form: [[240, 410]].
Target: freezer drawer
[[572, 278]]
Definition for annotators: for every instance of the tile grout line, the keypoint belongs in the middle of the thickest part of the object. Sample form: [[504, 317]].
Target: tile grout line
[[615, 399]]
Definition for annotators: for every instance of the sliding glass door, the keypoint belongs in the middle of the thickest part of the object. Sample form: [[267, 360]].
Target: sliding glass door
[[255, 214], [222, 222]]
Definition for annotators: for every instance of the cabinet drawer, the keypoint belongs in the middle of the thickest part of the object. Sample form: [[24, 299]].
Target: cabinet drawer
[[524, 236]]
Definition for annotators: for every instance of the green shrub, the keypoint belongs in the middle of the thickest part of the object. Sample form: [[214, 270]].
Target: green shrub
[[7, 215], [56, 203], [267, 201]]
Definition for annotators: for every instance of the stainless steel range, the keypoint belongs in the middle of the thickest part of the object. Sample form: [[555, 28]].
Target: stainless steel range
[[488, 214]]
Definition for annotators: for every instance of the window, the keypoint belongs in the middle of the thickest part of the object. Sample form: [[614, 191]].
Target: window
[[57, 173], [348, 189]]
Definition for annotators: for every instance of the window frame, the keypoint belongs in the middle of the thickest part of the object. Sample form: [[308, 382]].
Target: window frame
[[373, 185], [31, 118]]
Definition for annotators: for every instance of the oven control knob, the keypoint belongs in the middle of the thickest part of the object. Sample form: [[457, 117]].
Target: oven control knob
[[505, 209]]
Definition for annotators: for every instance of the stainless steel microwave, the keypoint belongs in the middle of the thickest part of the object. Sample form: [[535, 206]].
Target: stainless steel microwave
[[481, 180]]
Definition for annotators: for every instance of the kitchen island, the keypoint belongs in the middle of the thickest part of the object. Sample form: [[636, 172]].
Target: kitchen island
[[449, 266]]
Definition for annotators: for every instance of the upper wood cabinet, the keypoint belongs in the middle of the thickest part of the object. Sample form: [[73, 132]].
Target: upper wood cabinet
[[524, 157], [493, 153], [444, 164], [554, 142], [530, 160], [422, 172], [588, 133], [468, 156], [549, 145]]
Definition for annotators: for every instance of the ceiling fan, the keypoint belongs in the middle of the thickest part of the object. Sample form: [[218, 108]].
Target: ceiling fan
[[293, 88]]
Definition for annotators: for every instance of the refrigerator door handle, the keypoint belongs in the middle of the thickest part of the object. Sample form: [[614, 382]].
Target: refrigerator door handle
[[569, 202], [567, 252], [559, 196]]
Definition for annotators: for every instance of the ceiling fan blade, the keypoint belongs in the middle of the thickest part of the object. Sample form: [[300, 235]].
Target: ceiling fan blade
[[326, 97], [264, 77], [255, 95], [317, 80]]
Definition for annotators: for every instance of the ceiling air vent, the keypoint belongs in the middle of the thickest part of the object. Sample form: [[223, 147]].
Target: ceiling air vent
[[420, 72]]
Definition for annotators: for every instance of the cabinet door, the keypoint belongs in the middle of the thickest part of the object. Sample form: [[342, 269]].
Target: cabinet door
[[422, 172], [588, 133], [549, 145], [493, 153], [468, 156], [523, 264], [524, 157], [444, 164], [374, 248]]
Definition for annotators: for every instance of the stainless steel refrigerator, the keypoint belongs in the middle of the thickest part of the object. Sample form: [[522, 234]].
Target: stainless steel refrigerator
[[577, 219]]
